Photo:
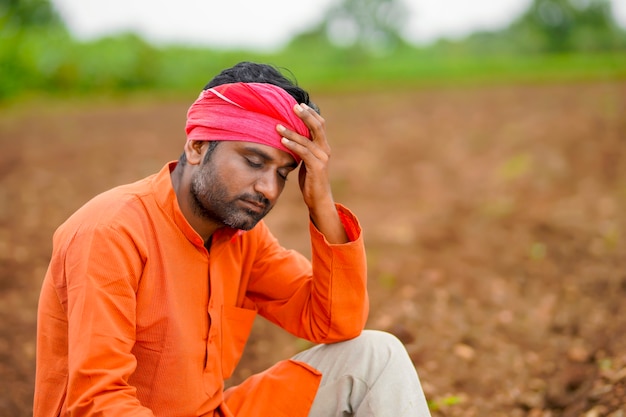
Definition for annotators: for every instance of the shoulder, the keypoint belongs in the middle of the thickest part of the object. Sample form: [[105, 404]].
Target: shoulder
[[116, 209]]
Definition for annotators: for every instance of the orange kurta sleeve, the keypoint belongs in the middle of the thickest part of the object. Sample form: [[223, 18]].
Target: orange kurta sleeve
[[322, 301], [95, 276]]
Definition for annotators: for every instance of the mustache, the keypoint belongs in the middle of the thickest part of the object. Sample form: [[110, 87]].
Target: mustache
[[256, 198]]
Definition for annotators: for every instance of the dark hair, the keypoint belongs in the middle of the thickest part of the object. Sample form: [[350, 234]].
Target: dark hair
[[251, 72]]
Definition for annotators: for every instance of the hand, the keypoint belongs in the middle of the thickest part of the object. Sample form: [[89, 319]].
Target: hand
[[313, 176], [315, 154]]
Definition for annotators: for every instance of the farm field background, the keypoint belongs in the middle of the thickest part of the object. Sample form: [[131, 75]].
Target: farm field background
[[493, 218]]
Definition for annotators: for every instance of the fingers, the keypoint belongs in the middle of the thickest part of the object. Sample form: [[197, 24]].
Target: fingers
[[317, 145], [315, 154], [306, 150], [316, 124], [311, 118]]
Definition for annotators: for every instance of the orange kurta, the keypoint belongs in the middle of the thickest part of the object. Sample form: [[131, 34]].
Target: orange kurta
[[137, 318]]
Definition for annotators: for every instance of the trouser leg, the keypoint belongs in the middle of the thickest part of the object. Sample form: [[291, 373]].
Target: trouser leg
[[371, 375]]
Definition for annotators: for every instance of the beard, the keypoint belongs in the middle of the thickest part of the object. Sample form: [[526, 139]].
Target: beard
[[210, 200]]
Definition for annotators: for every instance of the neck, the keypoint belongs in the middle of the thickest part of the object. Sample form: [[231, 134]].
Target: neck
[[181, 182]]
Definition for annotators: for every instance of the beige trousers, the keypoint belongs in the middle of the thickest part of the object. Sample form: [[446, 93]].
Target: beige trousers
[[371, 375]]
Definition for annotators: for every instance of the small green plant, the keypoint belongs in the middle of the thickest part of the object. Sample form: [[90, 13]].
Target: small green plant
[[516, 167], [443, 402], [538, 251], [388, 280]]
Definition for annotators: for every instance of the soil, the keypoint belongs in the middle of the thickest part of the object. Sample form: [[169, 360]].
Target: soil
[[494, 220]]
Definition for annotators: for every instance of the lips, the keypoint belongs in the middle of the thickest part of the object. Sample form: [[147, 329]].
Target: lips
[[254, 206]]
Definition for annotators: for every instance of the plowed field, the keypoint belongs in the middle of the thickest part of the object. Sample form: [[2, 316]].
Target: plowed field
[[495, 222]]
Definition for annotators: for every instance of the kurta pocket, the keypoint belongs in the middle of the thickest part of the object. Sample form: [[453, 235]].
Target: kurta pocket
[[236, 327]]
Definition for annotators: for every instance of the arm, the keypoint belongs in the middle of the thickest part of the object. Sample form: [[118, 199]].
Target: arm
[[313, 176], [329, 300], [323, 300], [101, 268]]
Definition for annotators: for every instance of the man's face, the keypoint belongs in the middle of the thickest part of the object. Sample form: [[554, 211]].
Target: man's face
[[239, 183]]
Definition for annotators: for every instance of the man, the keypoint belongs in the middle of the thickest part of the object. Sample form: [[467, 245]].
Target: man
[[153, 287]]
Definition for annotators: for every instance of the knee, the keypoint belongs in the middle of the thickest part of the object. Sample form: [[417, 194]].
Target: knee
[[377, 340]]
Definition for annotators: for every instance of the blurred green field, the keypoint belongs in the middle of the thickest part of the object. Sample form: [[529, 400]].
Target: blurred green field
[[39, 56], [424, 69], [127, 66]]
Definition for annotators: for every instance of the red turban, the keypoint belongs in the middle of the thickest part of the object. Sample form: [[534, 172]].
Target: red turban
[[246, 112]]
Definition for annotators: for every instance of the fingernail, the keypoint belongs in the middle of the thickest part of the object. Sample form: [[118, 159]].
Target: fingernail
[[285, 140], [280, 127], [299, 107]]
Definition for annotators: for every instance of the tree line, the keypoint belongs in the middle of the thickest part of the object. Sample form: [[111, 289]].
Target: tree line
[[37, 52]]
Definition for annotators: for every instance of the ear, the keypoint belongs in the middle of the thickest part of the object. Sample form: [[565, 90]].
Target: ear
[[194, 151]]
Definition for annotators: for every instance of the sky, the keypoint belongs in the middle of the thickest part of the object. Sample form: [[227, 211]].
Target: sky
[[269, 24]]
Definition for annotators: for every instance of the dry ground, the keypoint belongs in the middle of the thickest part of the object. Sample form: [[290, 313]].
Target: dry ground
[[494, 220]]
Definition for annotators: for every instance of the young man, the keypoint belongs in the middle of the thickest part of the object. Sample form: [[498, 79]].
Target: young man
[[153, 287]]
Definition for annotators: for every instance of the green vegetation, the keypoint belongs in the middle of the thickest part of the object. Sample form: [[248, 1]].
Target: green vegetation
[[445, 402], [555, 40]]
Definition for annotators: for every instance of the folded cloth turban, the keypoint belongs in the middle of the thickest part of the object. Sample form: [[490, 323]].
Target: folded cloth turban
[[246, 112]]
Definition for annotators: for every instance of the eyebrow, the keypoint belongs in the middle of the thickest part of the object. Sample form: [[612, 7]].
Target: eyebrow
[[266, 157]]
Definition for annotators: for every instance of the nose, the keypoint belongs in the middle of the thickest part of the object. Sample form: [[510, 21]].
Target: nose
[[268, 185]]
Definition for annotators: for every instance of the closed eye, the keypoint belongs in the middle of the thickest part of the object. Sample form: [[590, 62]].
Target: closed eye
[[283, 174], [254, 164], [257, 159]]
